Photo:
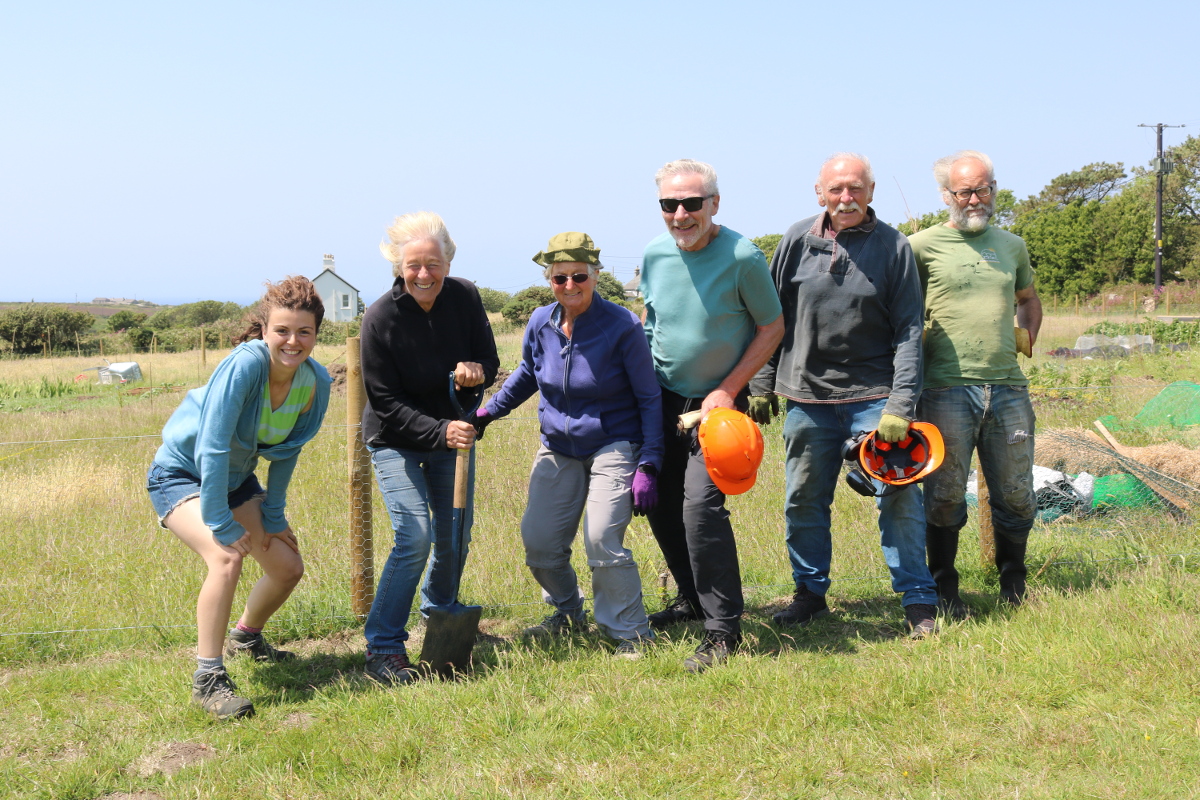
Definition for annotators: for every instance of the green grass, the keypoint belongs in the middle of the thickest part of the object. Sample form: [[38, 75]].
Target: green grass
[[1090, 690]]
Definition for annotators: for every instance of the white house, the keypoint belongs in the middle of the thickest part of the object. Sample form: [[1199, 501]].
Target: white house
[[340, 298]]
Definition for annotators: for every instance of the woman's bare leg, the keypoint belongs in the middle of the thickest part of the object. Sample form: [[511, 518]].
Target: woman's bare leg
[[215, 603], [282, 568]]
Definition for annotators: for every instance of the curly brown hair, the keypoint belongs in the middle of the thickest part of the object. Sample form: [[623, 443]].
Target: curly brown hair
[[294, 293]]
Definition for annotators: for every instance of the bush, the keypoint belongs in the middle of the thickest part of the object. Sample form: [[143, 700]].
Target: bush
[[493, 299], [29, 327], [193, 315], [518, 310], [1176, 332], [338, 332], [610, 288], [125, 319]]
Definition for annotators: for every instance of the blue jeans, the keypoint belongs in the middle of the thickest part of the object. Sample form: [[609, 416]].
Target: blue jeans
[[813, 434], [999, 421], [418, 490]]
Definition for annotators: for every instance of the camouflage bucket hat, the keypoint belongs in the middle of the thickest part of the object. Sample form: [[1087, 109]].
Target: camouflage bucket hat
[[570, 246]]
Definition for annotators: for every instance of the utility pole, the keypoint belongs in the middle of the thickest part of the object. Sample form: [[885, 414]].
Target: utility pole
[[1162, 167]]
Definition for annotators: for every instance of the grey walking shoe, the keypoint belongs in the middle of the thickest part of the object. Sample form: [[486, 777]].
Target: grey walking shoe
[[629, 649], [390, 669], [216, 693], [555, 625], [920, 619], [254, 645], [713, 651]]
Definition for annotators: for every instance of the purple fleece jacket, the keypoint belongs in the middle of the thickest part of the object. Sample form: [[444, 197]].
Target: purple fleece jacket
[[598, 387]]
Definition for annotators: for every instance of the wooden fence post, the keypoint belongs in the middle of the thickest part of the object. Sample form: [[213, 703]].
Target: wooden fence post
[[362, 556], [1167, 295]]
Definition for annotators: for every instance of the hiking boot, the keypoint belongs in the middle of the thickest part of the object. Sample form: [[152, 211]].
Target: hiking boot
[[920, 619], [242, 642], [805, 607], [678, 610], [713, 651], [953, 607], [629, 649], [555, 625], [390, 669], [216, 693]]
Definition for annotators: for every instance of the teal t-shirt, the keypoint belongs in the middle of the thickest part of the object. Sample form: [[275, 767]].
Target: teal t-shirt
[[970, 281], [703, 308]]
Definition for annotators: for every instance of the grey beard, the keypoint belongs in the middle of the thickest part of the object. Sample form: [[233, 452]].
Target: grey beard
[[964, 222]]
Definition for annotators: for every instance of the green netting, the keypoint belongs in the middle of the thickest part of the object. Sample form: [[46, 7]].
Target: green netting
[[1122, 491], [1176, 406]]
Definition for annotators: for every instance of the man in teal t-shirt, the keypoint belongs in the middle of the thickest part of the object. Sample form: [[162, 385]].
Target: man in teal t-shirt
[[973, 276], [713, 319]]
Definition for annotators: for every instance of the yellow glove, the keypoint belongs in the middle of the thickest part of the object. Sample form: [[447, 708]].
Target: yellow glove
[[1024, 346], [891, 428]]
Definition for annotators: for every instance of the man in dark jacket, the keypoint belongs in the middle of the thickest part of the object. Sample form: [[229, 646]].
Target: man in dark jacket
[[850, 361]]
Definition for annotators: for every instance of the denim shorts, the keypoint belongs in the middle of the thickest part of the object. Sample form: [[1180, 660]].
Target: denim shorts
[[169, 489]]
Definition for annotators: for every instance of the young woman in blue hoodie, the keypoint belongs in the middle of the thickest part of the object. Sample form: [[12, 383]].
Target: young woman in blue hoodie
[[267, 398]]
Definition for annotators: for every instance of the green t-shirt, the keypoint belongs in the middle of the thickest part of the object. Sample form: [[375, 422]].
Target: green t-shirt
[[703, 308], [970, 281]]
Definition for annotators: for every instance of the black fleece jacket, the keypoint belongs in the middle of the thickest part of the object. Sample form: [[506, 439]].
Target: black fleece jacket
[[408, 355]]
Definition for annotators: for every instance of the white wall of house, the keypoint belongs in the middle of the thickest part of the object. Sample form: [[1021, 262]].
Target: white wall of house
[[340, 298]]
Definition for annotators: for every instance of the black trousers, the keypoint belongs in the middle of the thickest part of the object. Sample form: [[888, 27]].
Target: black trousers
[[691, 525]]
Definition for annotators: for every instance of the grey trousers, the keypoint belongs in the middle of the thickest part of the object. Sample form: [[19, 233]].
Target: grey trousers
[[561, 490]]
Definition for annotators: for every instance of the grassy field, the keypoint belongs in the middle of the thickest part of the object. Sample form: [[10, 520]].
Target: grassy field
[[1090, 690]]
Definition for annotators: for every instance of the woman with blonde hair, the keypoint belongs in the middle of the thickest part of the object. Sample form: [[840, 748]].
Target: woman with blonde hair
[[425, 327], [267, 398]]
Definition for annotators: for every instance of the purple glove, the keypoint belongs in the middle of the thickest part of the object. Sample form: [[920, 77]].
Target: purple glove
[[481, 420], [645, 490]]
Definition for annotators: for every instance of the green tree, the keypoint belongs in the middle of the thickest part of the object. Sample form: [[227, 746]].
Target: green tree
[[768, 244], [922, 222], [125, 319], [608, 287], [493, 299], [191, 315], [29, 326], [525, 302]]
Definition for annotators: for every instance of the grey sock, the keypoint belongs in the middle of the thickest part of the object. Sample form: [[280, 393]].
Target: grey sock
[[204, 665]]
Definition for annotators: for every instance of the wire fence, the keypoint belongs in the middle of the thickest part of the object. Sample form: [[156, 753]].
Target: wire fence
[[361, 506]]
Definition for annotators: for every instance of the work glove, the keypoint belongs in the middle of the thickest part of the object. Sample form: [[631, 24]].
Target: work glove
[[763, 408], [1024, 346], [480, 421], [891, 428], [645, 490]]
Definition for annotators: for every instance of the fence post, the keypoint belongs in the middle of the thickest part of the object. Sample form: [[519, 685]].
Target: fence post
[[203, 349], [1167, 295], [362, 555], [987, 534]]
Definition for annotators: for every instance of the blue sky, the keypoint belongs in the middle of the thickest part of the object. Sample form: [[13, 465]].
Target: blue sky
[[176, 152]]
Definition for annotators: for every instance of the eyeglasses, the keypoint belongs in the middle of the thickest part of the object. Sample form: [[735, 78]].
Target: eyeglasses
[[690, 204], [578, 277], [983, 193]]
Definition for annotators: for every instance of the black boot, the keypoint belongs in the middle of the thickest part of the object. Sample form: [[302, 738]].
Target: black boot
[[941, 548], [1010, 560]]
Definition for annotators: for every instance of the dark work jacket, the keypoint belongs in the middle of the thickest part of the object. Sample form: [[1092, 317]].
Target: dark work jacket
[[852, 313], [408, 355]]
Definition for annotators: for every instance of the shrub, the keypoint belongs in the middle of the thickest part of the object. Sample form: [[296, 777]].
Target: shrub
[[518, 310], [28, 327], [125, 319], [493, 299]]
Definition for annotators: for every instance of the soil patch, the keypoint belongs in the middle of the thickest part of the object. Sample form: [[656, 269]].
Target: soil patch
[[299, 720], [172, 757], [140, 794], [338, 373]]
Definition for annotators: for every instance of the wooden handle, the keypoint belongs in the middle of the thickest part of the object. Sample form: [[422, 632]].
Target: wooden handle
[[462, 470], [689, 420]]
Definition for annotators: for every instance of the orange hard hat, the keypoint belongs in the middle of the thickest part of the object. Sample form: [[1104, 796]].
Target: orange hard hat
[[733, 448], [907, 461]]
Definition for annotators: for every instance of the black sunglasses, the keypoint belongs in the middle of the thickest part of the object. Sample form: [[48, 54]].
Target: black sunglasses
[[578, 277], [690, 204]]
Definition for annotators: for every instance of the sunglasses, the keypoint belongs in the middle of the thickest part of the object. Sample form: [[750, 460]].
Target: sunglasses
[[690, 204], [578, 277]]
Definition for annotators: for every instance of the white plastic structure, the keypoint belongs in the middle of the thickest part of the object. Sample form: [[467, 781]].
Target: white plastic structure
[[121, 372]]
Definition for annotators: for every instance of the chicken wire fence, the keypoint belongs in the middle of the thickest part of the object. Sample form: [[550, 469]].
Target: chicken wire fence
[[1093, 479]]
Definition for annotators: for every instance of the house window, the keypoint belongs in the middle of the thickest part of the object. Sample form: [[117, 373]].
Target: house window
[[345, 301]]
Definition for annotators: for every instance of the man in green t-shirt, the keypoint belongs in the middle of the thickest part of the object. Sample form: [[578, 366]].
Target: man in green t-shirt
[[973, 276]]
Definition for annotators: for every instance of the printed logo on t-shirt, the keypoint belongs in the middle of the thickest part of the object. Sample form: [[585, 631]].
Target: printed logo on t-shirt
[[988, 254]]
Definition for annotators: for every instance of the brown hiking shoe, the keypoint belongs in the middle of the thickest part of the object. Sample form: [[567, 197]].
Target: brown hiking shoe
[[804, 608], [216, 693]]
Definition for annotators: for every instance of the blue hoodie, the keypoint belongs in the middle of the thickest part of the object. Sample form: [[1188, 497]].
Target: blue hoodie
[[598, 387], [213, 436]]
